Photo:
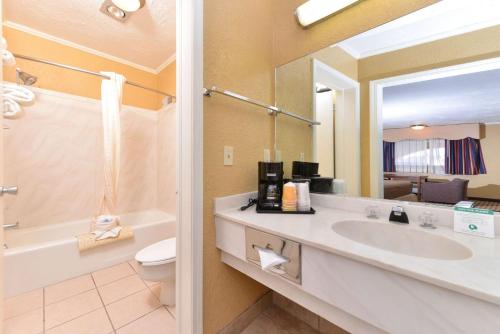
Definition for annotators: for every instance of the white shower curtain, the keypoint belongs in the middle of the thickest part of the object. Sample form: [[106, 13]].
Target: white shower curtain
[[111, 102]]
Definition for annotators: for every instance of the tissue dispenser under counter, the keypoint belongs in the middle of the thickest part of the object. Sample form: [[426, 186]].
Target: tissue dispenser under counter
[[282, 248]]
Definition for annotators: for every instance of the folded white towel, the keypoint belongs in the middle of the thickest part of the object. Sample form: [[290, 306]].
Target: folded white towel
[[113, 233]]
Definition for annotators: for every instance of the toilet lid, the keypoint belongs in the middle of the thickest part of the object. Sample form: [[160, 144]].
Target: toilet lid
[[163, 251]]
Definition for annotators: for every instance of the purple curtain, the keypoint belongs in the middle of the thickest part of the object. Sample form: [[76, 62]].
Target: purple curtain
[[464, 157], [389, 156]]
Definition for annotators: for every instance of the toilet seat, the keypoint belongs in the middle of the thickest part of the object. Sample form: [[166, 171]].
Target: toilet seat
[[159, 253]]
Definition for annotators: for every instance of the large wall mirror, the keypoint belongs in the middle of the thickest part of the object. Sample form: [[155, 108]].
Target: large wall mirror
[[409, 110]]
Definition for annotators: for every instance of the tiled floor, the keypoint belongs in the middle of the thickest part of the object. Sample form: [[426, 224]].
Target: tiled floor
[[276, 321], [112, 300]]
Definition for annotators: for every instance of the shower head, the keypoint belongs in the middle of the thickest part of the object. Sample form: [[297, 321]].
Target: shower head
[[26, 78]]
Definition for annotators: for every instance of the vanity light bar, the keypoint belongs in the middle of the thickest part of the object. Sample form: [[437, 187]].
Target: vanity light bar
[[314, 10], [271, 109]]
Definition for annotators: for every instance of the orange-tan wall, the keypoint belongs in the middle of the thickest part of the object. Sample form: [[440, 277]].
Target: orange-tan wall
[[237, 56], [477, 45], [71, 82], [243, 42], [166, 79]]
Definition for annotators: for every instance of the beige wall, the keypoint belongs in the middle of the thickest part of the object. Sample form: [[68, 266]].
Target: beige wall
[[66, 81], [243, 41], [237, 56], [455, 50]]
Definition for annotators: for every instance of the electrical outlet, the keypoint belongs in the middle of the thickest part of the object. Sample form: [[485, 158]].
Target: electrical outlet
[[267, 155], [302, 156], [228, 155]]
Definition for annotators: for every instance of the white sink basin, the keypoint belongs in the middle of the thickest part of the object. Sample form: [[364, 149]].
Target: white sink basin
[[402, 239]]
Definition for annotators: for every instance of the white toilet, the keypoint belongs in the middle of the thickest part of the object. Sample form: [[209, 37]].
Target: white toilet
[[157, 264]]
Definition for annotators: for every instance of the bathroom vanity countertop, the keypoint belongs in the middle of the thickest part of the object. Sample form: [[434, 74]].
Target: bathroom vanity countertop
[[477, 276]]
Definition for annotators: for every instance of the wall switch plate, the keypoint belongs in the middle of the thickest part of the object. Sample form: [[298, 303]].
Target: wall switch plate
[[267, 155], [228, 155], [302, 156], [277, 156]]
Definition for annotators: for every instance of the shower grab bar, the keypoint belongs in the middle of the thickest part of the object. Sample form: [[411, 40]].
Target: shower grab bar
[[9, 226], [271, 109], [78, 69], [8, 190]]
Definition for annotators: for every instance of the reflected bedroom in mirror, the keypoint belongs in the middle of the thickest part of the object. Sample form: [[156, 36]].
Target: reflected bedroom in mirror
[[407, 111]]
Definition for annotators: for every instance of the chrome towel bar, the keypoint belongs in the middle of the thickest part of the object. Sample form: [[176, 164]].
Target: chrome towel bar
[[271, 109]]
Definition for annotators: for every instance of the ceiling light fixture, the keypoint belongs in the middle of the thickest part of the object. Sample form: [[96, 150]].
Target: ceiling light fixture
[[116, 12], [418, 127], [129, 5], [314, 10]]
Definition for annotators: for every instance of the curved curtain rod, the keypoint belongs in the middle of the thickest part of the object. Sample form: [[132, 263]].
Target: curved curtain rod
[[77, 69]]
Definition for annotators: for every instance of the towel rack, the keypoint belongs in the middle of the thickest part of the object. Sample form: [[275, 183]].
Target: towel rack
[[271, 109]]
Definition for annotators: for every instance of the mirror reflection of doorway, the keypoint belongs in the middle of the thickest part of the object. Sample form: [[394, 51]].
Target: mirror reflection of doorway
[[335, 103]]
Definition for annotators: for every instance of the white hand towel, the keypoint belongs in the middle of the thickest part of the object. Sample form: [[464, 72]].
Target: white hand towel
[[269, 259]]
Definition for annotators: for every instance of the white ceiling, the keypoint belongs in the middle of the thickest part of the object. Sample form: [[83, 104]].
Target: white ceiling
[[424, 26], [147, 38], [468, 98]]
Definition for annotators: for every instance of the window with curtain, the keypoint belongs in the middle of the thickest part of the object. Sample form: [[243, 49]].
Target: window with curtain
[[420, 156], [464, 157]]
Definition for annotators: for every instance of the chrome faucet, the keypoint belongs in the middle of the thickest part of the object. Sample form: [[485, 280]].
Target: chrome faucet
[[372, 211], [427, 220]]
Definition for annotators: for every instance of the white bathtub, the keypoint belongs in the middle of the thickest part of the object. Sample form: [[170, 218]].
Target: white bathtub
[[45, 255]]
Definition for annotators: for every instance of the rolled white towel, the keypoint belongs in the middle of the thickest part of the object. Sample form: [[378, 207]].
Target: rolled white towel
[[7, 56], [18, 93], [11, 109]]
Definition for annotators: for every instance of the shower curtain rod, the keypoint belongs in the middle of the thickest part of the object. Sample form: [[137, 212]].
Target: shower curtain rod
[[77, 69]]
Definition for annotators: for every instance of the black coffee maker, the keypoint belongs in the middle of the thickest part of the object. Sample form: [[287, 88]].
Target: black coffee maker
[[302, 170], [270, 186]]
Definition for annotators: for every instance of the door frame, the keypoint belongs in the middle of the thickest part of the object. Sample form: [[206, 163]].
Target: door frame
[[376, 106], [189, 261]]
